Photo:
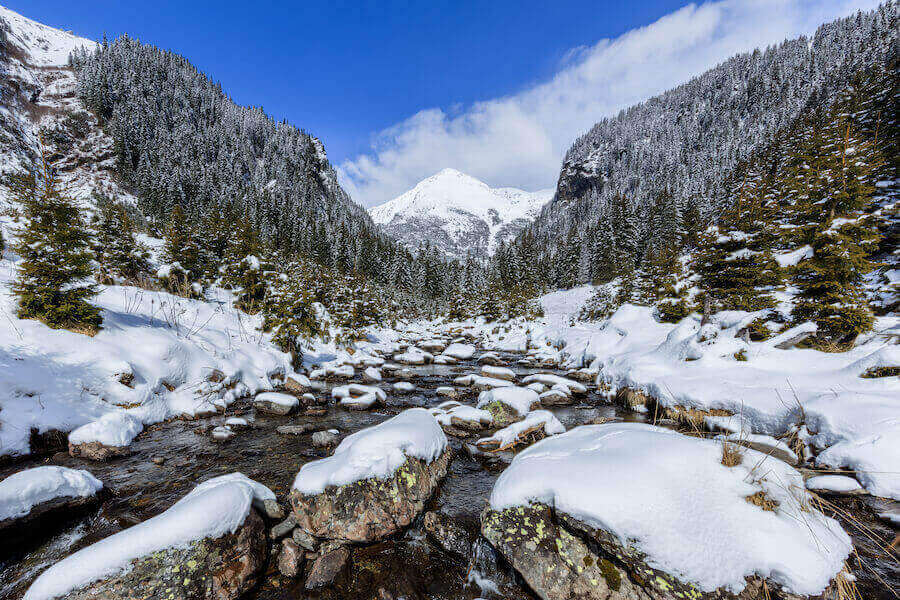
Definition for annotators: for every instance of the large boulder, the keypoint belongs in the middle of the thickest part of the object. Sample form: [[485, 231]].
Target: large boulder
[[376, 482], [210, 544], [508, 404], [108, 437], [32, 494], [686, 518]]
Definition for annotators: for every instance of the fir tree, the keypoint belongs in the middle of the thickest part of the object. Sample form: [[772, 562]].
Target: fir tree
[[55, 257], [116, 248], [182, 252]]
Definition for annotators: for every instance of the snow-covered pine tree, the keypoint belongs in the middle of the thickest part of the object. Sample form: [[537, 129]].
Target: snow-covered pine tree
[[116, 248], [832, 176], [52, 283], [182, 253], [734, 259]]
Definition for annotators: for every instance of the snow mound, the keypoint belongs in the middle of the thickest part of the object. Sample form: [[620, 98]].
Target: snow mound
[[22, 491], [460, 351], [519, 399], [375, 452], [112, 429], [212, 509], [543, 419], [676, 503]]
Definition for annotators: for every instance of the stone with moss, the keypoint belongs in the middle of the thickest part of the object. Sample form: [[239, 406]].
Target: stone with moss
[[370, 509]]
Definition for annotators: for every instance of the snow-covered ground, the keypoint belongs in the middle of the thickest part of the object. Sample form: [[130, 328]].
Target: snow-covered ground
[[852, 422], [158, 356]]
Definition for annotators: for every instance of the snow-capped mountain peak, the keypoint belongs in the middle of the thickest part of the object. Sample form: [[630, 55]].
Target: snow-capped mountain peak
[[458, 214]]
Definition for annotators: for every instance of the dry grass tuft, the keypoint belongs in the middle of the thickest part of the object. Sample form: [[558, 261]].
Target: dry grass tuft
[[762, 500], [845, 586], [732, 455]]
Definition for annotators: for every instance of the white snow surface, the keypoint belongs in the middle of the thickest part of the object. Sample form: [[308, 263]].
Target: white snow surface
[[57, 379], [22, 491], [212, 509], [832, 483], [375, 452], [854, 421], [669, 496], [459, 204], [45, 46], [112, 429], [277, 398], [460, 351], [518, 398], [543, 418]]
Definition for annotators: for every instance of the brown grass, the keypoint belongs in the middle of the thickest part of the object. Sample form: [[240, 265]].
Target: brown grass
[[731, 455], [845, 586], [762, 500]]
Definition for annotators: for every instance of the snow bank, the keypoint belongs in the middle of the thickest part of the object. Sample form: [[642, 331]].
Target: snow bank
[[212, 509], [675, 502], [112, 429], [22, 491], [156, 354], [855, 421], [375, 452], [833, 483]]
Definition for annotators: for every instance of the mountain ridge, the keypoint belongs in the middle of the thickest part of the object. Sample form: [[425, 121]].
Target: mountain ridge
[[458, 214]]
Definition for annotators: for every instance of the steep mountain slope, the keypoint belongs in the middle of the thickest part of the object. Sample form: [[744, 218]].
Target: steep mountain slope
[[458, 214], [38, 102], [680, 145]]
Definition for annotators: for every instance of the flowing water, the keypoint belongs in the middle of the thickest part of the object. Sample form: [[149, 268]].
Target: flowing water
[[409, 565]]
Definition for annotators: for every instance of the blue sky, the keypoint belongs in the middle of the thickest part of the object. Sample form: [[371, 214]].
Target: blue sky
[[399, 90]]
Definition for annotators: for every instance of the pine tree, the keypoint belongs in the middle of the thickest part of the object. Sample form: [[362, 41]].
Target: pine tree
[[832, 175], [734, 259], [182, 252], [116, 248], [55, 255]]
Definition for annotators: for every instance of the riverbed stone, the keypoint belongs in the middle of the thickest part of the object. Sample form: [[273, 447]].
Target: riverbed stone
[[448, 534], [97, 451], [327, 565], [216, 569], [370, 509], [290, 558]]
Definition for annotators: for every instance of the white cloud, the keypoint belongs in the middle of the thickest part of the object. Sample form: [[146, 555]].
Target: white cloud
[[520, 140]]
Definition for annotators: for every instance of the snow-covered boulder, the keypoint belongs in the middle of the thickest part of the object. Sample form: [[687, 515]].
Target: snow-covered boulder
[[508, 404], [447, 391], [491, 358], [404, 387], [222, 433], [460, 351], [107, 437], [556, 397], [33, 493], [443, 359], [376, 482], [433, 345], [498, 372], [680, 523], [372, 375], [834, 484], [275, 403], [414, 356], [464, 417], [210, 544], [358, 397], [536, 425], [553, 380], [489, 383]]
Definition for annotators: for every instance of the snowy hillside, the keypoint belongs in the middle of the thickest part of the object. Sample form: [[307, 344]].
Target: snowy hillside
[[39, 104], [459, 214]]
